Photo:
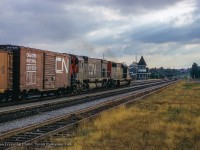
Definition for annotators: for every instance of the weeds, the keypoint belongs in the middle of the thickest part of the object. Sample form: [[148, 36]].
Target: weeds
[[167, 120]]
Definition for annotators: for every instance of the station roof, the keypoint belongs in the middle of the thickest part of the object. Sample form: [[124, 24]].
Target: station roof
[[142, 61]]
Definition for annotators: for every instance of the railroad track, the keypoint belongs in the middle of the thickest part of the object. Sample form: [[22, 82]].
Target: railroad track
[[16, 112], [25, 137], [9, 107], [36, 99]]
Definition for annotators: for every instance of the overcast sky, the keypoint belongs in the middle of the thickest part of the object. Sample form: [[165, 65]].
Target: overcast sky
[[165, 32]]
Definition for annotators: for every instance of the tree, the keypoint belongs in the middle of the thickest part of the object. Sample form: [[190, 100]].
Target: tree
[[195, 70]]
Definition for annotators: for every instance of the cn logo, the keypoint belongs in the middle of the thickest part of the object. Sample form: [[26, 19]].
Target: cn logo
[[61, 65]]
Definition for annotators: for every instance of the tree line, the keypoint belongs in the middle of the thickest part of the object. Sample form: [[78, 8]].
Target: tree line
[[159, 73], [195, 71]]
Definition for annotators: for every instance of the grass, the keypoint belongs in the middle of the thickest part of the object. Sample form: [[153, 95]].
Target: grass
[[169, 119]]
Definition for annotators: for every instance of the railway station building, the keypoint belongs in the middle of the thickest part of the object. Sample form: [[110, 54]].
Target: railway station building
[[139, 71]]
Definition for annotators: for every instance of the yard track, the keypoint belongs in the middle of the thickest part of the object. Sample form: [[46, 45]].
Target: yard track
[[21, 111], [39, 99], [30, 134]]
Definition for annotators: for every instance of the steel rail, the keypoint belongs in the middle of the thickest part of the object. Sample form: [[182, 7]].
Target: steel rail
[[38, 103], [36, 132], [11, 108], [28, 110], [31, 100]]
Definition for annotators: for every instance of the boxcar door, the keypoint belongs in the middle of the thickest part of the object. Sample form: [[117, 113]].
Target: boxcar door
[[49, 71], [62, 71]]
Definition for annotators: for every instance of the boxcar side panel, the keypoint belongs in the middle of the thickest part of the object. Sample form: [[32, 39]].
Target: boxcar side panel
[[31, 69], [4, 72], [56, 70], [62, 68], [49, 70]]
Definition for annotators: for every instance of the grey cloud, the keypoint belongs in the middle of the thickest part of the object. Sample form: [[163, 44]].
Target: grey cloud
[[48, 24], [135, 6], [45, 21], [49, 21], [161, 33]]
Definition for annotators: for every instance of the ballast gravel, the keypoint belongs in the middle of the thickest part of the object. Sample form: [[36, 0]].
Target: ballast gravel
[[36, 119]]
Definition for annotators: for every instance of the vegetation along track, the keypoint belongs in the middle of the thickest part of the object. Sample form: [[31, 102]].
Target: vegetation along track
[[31, 134], [16, 112]]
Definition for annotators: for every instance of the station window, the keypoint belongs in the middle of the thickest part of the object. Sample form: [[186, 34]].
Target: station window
[[104, 73]]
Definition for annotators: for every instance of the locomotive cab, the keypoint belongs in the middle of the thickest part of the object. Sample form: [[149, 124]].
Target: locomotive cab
[[77, 72]]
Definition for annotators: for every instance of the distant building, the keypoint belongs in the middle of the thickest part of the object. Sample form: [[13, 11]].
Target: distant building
[[133, 70], [139, 71]]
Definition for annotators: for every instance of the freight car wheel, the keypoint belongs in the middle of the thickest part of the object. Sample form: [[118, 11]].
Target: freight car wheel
[[8, 96], [2, 98], [24, 95], [59, 92]]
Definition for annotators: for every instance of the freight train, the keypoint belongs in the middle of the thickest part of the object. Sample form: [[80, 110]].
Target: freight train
[[28, 71]]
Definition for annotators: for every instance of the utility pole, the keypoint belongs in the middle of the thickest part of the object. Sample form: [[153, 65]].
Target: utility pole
[[136, 58], [136, 67]]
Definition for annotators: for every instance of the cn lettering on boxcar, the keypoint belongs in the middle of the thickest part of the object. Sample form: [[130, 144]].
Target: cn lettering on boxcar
[[61, 65]]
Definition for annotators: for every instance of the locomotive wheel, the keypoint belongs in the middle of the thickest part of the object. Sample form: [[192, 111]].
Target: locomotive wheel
[[75, 91]]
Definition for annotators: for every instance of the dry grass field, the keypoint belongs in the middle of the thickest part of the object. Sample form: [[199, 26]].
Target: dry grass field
[[169, 119]]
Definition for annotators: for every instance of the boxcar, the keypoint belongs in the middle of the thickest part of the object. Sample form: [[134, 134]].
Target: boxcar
[[38, 71], [6, 73]]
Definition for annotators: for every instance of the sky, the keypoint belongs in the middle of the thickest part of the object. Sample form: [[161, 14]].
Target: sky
[[165, 32]]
